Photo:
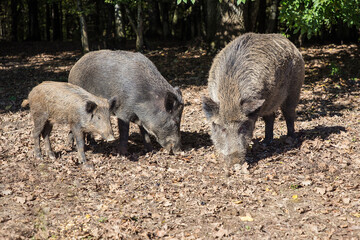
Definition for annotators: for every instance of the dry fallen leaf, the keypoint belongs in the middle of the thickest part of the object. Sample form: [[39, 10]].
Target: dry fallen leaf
[[247, 218]]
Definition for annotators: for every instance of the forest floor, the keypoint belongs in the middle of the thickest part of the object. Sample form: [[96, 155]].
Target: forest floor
[[303, 189]]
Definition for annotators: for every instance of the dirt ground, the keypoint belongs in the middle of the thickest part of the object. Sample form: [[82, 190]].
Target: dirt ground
[[303, 189]]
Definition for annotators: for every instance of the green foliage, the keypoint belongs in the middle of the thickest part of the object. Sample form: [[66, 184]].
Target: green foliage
[[193, 1], [311, 16]]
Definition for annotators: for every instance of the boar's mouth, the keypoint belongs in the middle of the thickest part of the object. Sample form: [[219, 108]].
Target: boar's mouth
[[234, 158]]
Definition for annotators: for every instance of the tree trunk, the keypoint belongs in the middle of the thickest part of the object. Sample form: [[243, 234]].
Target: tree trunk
[[273, 17], [83, 29], [14, 20], [140, 28], [211, 19], [48, 21], [262, 17], [164, 9], [57, 22], [34, 29], [155, 28], [251, 10]]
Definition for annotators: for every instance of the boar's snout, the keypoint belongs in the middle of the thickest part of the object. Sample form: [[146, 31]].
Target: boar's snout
[[173, 146], [234, 158]]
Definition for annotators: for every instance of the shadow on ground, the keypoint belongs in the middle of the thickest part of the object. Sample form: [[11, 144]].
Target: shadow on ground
[[282, 145]]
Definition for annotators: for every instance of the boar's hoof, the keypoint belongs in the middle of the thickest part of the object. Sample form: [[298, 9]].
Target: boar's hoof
[[51, 155], [267, 142], [38, 156], [87, 166], [122, 150]]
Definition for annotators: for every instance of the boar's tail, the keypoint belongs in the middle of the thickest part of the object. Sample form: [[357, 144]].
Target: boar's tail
[[25, 103]]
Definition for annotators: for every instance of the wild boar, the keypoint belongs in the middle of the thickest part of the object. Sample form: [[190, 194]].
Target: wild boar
[[145, 97], [59, 102], [253, 76]]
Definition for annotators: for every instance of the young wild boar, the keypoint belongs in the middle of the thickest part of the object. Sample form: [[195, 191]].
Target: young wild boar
[[252, 77], [145, 97], [58, 102]]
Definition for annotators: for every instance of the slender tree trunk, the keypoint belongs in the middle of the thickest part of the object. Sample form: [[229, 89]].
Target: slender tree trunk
[[155, 28], [164, 9], [83, 28], [57, 22], [251, 10], [138, 27], [273, 17], [34, 29], [262, 16], [48, 21], [211, 19], [14, 20], [119, 22]]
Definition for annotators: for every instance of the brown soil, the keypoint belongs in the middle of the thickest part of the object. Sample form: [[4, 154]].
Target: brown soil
[[303, 189]]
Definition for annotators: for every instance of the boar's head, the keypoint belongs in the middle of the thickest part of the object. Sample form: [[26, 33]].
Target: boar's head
[[162, 119], [231, 134], [97, 118]]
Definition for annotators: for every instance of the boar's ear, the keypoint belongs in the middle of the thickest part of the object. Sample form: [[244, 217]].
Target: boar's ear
[[90, 106], [251, 106], [114, 103], [171, 102], [210, 107]]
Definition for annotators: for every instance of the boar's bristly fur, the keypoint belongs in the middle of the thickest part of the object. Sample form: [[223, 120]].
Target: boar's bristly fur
[[145, 97], [58, 102], [253, 76]]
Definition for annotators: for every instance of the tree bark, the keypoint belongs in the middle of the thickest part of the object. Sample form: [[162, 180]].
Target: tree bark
[[155, 28], [273, 17], [83, 28], [211, 19], [251, 10], [164, 9], [14, 20], [34, 29], [57, 22], [138, 27], [48, 21]]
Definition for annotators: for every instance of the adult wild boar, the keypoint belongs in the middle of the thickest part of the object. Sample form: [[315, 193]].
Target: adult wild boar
[[253, 76], [59, 102], [145, 97]]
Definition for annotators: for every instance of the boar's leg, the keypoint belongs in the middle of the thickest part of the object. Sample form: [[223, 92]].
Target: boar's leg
[[79, 136], [269, 128], [46, 135], [289, 115], [288, 110], [39, 123], [70, 139], [124, 135], [146, 139]]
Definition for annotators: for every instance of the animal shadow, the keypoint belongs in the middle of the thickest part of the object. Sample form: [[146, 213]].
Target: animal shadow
[[281, 145]]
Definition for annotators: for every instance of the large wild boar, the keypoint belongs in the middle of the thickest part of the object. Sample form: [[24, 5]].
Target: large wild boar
[[253, 76], [145, 97], [58, 102]]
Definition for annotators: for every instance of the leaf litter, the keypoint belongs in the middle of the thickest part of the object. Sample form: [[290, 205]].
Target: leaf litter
[[290, 189]]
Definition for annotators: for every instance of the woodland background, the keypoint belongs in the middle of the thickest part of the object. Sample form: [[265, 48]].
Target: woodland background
[[303, 189], [112, 23]]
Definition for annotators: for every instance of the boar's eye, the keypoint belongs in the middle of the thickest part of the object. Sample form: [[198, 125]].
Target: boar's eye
[[241, 129], [217, 126]]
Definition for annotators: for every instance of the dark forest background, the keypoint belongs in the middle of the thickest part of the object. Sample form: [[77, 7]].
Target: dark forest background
[[115, 24]]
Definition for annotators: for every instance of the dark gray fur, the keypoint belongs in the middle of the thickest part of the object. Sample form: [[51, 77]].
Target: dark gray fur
[[253, 76], [58, 102], [145, 97]]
